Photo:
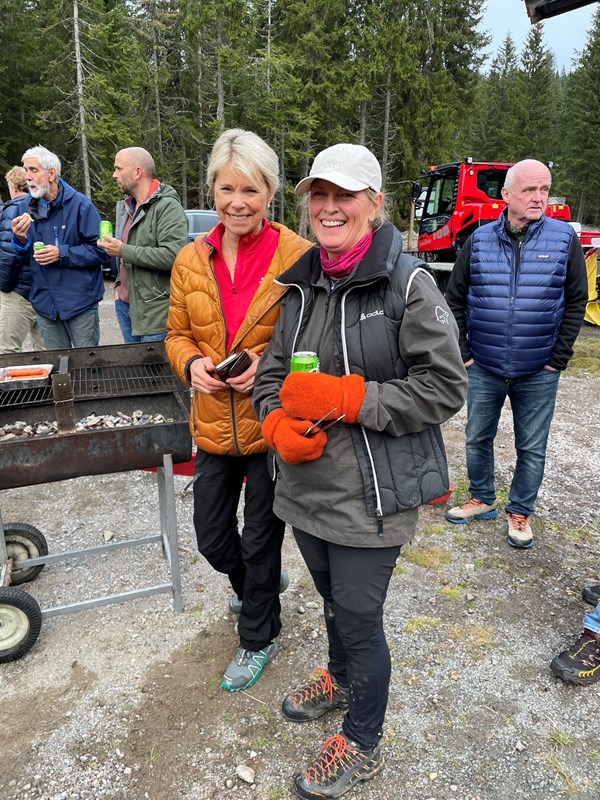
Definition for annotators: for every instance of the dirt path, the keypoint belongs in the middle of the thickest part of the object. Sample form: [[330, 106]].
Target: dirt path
[[124, 702]]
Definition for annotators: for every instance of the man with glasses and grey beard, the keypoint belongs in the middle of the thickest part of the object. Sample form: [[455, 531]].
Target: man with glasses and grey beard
[[67, 282]]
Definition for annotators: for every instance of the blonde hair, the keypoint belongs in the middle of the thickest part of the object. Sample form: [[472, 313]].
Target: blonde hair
[[15, 177], [248, 155]]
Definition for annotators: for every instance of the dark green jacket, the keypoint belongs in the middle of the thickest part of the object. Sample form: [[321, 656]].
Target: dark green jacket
[[158, 233]]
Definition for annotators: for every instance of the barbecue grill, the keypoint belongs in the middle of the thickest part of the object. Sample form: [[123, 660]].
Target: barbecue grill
[[87, 382]]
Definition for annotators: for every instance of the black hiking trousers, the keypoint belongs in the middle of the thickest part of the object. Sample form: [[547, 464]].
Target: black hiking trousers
[[252, 559], [353, 582]]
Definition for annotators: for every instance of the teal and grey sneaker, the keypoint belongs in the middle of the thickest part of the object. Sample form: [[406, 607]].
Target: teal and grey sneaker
[[341, 765], [246, 667], [234, 604]]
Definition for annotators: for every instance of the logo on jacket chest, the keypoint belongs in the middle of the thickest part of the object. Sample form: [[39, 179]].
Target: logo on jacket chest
[[378, 313]]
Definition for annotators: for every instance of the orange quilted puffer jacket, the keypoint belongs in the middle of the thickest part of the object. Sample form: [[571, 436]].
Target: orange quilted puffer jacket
[[223, 423]]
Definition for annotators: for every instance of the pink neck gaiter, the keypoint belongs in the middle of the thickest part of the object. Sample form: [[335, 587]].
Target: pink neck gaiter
[[343, 265]]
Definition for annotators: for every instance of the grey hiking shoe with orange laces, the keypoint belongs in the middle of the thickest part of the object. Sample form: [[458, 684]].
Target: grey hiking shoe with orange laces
[[315, 699], [472, 509], [519, 531], [579, 663], [341, 765]]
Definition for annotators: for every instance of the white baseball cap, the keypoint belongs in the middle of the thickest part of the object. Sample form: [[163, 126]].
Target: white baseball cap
[[350, 166]]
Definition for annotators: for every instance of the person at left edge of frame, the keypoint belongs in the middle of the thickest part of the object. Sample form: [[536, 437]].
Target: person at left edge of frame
[[67, 283], [17, 316]]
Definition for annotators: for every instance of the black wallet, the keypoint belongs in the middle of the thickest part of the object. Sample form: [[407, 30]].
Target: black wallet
[[233, 366]]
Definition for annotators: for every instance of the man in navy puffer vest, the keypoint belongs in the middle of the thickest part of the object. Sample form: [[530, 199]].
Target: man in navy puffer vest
[[518, 291]]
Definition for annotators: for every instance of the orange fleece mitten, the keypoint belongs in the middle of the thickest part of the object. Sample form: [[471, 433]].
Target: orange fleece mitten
[[311, 395], [284, 434]]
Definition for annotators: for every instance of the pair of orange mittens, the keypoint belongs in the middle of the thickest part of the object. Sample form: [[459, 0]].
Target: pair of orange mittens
[[305, 398]]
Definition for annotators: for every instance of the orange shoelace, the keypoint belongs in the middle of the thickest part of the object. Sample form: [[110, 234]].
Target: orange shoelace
[[334, 752], [473, 502], [321, 685], [519, 522]]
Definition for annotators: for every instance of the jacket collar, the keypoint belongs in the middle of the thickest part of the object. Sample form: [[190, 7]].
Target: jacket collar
[[502, 223], [40, 208]]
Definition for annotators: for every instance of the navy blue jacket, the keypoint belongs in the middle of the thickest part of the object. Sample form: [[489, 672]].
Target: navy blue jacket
[[74, 283], [519, 306], [13, 276]]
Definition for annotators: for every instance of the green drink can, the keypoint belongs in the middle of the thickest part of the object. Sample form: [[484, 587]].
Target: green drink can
[[304, 361], [38, 245], [105, 228]]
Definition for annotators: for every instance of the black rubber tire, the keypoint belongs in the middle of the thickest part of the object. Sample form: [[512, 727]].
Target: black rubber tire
[[24, 541], [20, 623]]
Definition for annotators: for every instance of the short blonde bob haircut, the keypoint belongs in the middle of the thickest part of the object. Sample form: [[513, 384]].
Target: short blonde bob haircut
[[248, 155], [16, 177]]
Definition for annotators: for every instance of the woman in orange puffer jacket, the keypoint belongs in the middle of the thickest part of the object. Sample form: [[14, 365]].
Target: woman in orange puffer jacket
[[224, 301]]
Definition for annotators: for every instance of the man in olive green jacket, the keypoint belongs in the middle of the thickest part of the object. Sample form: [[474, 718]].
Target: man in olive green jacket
[[151, 228]]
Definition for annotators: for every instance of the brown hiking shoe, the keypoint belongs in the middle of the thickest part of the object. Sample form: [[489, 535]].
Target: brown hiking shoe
[[315, 699], [519, 531], [472, 509]]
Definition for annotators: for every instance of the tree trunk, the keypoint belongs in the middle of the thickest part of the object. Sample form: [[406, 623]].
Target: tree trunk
[[282, 181], [157, 96], [184, 187], [201, 201], [87, 186], [220, 89], [386, 127], [362, 122], [303, 221]]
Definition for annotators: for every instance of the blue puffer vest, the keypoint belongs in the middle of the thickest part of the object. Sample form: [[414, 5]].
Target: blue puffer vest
[[515, 308]]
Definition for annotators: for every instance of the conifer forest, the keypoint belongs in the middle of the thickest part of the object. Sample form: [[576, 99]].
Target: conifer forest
[[409, 79]]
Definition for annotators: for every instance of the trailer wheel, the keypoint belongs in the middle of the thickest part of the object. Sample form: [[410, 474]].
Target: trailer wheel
[[20, 623], [22, 542]]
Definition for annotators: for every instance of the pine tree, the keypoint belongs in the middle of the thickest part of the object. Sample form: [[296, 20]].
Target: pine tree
[[536, 107], [580, 146]]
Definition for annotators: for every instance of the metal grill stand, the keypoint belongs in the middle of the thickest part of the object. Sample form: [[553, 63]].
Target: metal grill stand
[[122, 376]]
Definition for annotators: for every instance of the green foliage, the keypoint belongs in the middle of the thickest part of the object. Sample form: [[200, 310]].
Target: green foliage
[[406, 79]]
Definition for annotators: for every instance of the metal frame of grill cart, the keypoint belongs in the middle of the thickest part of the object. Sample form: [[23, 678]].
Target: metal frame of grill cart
[[125, 376]]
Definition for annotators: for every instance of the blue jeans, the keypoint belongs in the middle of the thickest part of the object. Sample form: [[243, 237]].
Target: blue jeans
[[82, 330], [122, 311], [532, 399], [592, 621]]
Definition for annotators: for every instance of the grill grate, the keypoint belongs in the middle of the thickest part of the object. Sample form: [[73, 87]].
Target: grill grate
[[115, 381], [90, 383]]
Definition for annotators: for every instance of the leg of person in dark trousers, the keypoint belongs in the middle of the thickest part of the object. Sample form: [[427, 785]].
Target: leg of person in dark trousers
[[262, 537], [353, 582], [252, 561]]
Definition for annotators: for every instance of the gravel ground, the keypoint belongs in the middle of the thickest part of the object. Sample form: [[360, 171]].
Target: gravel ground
[[123, 702]]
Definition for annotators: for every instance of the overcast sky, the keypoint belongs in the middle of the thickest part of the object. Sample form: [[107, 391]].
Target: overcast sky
[[563, 34]]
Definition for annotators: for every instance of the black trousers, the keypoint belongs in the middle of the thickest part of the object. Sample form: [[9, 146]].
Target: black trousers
[[252, 560], [353, 582]]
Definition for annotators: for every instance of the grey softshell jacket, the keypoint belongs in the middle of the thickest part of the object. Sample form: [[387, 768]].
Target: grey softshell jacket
[[388, 322]]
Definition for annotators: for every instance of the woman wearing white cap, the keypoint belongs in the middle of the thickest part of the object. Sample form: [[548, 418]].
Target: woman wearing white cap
[[390, 373]]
